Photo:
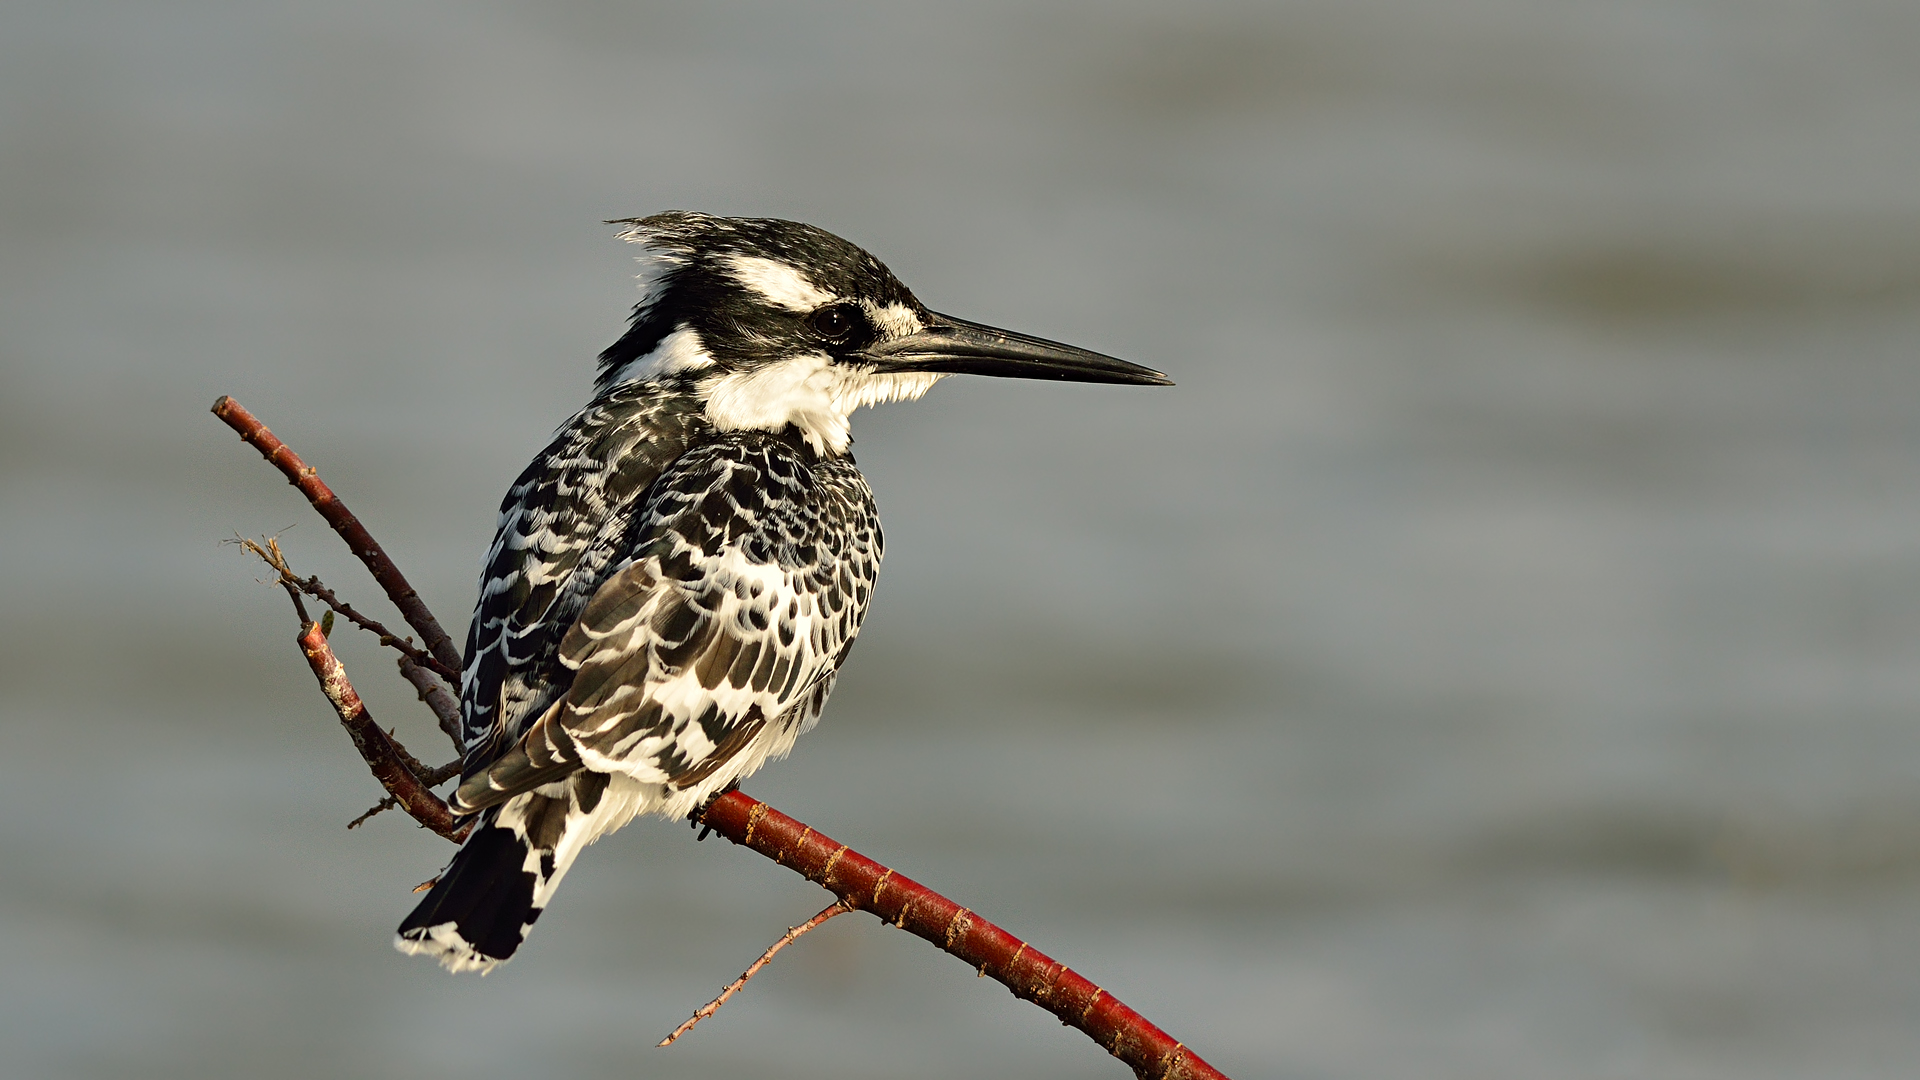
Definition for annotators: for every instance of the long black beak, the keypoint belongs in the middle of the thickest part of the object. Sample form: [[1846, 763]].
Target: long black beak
[[955, 345]]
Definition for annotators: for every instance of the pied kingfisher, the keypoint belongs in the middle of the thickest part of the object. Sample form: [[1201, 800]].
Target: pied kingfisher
[[677, 577]]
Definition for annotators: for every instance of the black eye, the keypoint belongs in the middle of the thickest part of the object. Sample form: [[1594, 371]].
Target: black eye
[[836, 323]]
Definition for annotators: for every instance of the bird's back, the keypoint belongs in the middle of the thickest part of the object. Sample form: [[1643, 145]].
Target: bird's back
[[564, 525]]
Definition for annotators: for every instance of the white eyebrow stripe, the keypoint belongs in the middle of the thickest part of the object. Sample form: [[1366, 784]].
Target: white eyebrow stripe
[[779, 283]]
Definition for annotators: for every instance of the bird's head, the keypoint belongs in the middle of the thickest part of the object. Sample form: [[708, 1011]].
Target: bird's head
[[773, 323]]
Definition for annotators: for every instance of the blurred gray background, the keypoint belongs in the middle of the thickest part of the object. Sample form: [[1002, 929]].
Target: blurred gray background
[[1496, 659]]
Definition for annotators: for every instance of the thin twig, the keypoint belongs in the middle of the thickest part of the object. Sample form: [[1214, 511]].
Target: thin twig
[[359, 541], [313, 587], [432, 690], [838, 907], [299, 608], [446, 708], [382, 806], [275, 558], [431, 778]]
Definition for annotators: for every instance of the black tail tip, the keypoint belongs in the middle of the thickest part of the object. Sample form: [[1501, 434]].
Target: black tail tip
[[479, 912]]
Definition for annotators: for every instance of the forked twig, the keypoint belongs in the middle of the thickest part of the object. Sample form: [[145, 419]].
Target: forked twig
[[838, 907], [408, 782], [271, 554], [431, 778], [359, 541], [431, 690], [396, 769]]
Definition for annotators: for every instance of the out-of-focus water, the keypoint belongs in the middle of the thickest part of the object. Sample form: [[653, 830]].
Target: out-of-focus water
[[1497, 658]]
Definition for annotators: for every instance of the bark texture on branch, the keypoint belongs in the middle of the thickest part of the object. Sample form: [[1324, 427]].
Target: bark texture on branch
[[388, 760], [911, 906], [361, 542]]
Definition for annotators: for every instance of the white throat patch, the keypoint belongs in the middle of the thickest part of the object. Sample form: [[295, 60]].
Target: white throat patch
[[809, 391]]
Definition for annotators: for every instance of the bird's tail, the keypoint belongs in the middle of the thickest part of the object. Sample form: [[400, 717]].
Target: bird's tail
[[483, 905]]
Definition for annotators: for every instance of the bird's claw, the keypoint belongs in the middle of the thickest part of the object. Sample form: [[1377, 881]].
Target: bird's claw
[[696, 818]]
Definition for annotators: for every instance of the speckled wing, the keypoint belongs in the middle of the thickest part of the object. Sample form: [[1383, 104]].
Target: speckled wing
[[716, 643], [565, 525]]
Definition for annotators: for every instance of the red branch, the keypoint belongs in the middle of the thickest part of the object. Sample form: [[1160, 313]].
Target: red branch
[[384, 756], [911, 906], [361, 542], [857, 880]]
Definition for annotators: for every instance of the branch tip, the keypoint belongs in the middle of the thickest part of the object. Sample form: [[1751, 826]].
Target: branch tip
[[793, 934], [359, 541]]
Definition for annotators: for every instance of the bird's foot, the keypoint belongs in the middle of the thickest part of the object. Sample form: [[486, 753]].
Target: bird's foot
[[697, 818]]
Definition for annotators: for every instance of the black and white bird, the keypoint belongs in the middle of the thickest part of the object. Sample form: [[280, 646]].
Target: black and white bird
[[677, 577]]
